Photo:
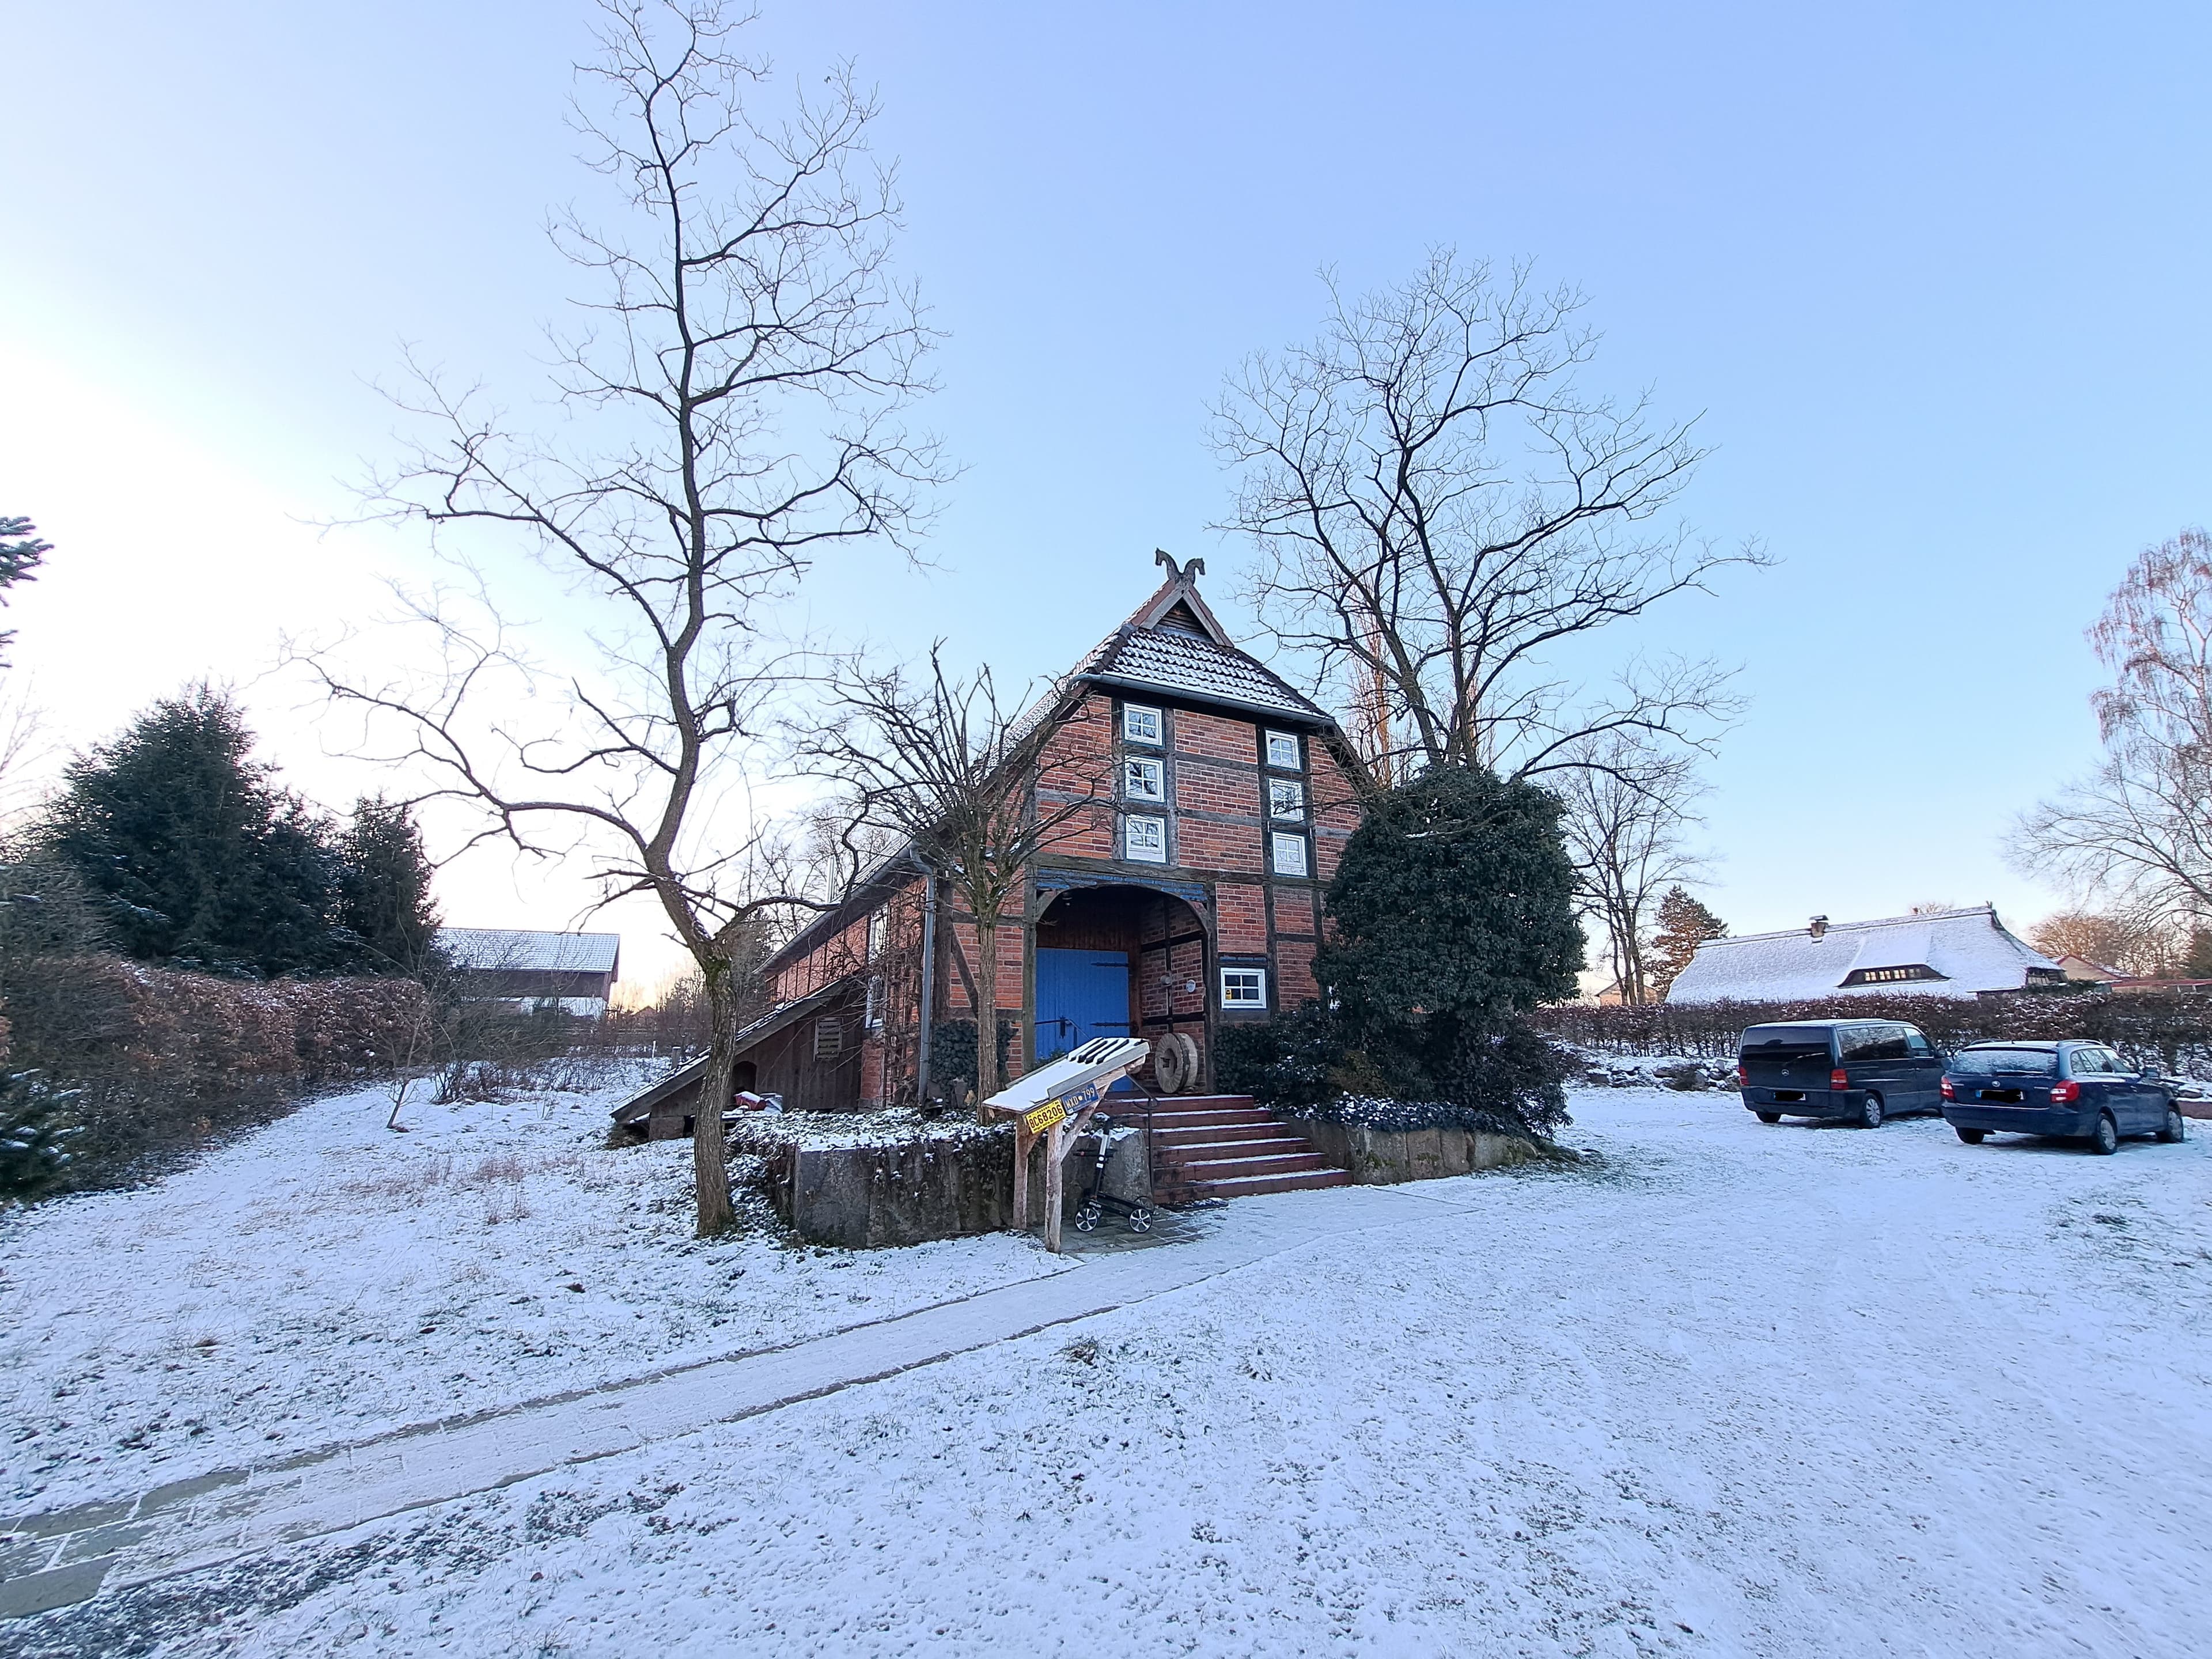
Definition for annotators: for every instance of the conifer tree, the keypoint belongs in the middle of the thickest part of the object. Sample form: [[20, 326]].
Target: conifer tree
[[1684, 925], [194, 853], [383, 889], [22, 553], [1453, 909], [35, 1130]]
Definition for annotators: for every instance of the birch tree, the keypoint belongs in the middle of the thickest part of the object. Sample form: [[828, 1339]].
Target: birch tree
[[2135, 836]]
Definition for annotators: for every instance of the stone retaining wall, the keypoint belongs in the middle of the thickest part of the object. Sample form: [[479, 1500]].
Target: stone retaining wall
[[1380, 1158], [867, 1197]]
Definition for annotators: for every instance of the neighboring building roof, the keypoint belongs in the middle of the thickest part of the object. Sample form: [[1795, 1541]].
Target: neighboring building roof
[[517, 950], [1941, 953], [2083, 968]]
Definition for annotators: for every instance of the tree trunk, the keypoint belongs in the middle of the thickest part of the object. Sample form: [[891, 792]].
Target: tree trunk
[[710, 1163], [986, 1003]]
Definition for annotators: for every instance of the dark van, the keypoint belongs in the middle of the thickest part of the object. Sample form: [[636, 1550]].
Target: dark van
[[1860, 1070]]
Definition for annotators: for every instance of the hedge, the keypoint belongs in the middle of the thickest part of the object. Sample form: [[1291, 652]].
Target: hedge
[[2171, 1030]]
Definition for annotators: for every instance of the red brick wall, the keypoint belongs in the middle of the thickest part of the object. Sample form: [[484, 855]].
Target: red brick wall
[[1241, 915]]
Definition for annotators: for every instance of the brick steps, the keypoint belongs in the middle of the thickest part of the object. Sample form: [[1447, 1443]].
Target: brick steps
[[1224, 1146]]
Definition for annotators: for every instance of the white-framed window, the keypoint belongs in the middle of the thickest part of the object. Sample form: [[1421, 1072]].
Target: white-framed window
[[828, 1038], [1286, 800], [1143, 780], [1145, 839], [875, 1009], [876, 925], [1290, 853], [1244, 988], [1283, 752], [1140, 725]]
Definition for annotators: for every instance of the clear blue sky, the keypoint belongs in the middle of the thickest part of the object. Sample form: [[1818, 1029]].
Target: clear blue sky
[[1936, 275]]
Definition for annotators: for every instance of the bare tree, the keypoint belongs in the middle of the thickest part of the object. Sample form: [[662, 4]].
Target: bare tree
[[1629, 803], [1439, 509], [2135, 836], [730, 414], [2110, 941], [976, 790]]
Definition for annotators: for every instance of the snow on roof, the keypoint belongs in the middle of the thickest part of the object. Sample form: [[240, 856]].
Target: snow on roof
[[517, 950], [1173, 644], [1968, 951]]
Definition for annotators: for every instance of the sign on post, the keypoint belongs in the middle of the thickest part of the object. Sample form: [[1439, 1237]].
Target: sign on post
[[1054, 1101]]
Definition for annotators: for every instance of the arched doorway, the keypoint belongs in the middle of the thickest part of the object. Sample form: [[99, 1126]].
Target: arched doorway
[[1118, 961]]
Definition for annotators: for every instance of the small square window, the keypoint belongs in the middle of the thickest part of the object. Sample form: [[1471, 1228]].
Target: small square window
[[1140, 724], [1145, 839], [1286, 800], [1290, 854], [1141, 780], [1283, 752], [828, 1038], [1244, 988]]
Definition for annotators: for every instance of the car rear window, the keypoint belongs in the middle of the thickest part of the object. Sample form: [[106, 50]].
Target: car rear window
[[1781, 1044], [2017, 1062]]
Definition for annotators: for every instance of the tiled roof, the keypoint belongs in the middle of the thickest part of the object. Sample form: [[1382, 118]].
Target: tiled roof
[[516, 949], [1183, 665], [1969, 949]]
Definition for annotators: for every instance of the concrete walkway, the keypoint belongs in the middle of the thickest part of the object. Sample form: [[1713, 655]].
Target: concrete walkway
[[52, 1560]]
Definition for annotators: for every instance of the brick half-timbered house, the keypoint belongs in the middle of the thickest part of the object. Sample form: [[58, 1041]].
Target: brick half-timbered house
[[1186, 894]]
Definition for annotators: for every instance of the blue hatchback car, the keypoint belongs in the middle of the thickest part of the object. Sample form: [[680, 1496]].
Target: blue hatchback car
[[2078, 1090]]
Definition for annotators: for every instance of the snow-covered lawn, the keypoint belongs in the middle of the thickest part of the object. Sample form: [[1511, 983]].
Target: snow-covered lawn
[[323, 1280], [1727, 1389]]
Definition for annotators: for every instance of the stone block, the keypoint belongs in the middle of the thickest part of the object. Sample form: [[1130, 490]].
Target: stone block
[[42, 1592]]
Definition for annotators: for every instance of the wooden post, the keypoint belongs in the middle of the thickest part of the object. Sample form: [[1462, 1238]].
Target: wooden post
[[1054, 1184], [1023, 1141]]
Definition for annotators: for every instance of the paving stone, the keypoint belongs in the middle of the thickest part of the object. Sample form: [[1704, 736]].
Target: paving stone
[[178, 1492], [58, 1521], [24, 1554], [104, 1541], [42, 1592]]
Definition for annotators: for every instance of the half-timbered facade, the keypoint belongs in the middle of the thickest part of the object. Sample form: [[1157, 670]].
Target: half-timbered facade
[[1207, 804]]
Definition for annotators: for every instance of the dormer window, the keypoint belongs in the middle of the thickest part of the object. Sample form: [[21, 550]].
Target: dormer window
[[1140, 725], [1283, 752], [1143, 780], [1890, 976]]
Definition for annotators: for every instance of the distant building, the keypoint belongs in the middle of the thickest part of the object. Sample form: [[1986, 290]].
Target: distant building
[[2081, 970], [1936, 953], [529, 969]]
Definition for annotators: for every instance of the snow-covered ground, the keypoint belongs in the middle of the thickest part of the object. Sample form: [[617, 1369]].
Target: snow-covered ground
[[1727, 1388], [325, 1279]]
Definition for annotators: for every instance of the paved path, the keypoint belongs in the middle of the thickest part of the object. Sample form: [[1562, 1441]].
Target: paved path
[[54, 1559]]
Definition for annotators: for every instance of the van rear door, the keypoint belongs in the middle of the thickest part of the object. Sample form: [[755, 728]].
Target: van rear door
[[1793, 1060]]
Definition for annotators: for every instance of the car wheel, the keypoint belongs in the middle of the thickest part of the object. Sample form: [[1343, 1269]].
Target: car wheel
[[1971, 1137], [1768, 1117], [2176, 1127], [1870, 1112], [2107, 1138]]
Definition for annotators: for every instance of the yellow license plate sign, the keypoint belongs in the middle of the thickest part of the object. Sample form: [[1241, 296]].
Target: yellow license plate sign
[[1038, 1119]]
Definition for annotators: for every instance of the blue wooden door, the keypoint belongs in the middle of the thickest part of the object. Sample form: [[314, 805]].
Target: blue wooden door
[[1080, 994]]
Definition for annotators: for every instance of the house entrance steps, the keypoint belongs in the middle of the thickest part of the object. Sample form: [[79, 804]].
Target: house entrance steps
[[1225, 1147]]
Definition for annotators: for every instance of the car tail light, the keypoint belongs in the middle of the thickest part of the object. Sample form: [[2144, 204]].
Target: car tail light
[[2066, 1093], [1839, 1078], [1949, 1093], [1742, 1078]]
